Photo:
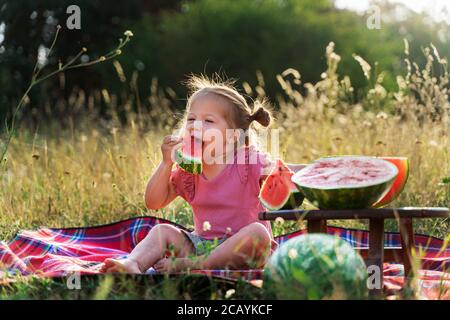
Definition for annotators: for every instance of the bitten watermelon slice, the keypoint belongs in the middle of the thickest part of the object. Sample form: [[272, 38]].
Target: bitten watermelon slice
[[278, 191], [402, 164], [189, 156], [346, 182]]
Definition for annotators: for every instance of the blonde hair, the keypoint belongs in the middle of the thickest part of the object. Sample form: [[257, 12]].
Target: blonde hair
[[241, 115]]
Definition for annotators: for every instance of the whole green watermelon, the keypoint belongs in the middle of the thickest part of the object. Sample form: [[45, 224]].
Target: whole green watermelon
[[315, 266]]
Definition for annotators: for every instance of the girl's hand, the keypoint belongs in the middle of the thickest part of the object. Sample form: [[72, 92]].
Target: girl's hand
[[169, 142]]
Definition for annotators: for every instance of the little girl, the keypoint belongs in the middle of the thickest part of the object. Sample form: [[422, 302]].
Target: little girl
[[224, 197]]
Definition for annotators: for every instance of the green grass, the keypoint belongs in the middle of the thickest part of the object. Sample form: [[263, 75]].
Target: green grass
[[125, 287]]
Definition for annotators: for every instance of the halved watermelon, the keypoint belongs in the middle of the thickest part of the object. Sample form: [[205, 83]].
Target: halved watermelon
[[189, 156], [346, 182], [278, 191], [402, 164]]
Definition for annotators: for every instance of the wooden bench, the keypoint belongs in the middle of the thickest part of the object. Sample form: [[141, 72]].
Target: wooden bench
[[375, 254]]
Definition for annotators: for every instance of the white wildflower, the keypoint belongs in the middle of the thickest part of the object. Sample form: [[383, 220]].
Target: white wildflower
[[292, 253], [206, 226], [382, 115], [229, 293]]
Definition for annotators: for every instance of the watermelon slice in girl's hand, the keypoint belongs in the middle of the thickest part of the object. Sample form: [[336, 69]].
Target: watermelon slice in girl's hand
[[402, 164], [189, 156], [278, 191]]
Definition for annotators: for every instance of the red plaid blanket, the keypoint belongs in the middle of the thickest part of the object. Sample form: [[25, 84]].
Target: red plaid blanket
[[51, 252]]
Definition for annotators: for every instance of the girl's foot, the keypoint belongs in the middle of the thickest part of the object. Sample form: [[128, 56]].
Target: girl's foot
[[123, 266], [175, 265]]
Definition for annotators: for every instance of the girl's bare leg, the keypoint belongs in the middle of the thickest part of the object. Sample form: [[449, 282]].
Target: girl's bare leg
[[151, 249], [248, 248]]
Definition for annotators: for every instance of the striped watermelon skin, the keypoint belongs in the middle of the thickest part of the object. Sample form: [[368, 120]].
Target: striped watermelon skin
[[187, 163], [348, 198], [295, 200], [315, 266]]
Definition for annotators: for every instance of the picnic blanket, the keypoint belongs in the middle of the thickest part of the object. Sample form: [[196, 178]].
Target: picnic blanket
[[56, 252]]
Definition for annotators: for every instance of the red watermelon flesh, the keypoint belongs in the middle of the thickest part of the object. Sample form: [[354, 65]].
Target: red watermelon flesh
[[346, 182], [345, 171], [278, 191], [402, 164]]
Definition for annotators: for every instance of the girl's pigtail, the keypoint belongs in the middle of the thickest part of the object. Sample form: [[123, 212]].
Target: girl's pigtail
[[262, 115]]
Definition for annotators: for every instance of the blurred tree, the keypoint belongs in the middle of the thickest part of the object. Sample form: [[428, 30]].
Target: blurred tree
[[29, 27], [240, 37], [175, 37]]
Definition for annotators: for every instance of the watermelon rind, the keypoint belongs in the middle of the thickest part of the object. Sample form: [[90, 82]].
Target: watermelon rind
[[188, 163], [294, 201], [384, 202], [315, 266], [346, 197], [270, 206]]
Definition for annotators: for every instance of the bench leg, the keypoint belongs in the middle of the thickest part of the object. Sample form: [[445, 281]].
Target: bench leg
[[407, 239], [317, 226], [375, 255]]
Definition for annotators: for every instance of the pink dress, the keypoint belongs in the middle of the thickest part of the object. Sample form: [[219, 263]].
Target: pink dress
[[229, 201]]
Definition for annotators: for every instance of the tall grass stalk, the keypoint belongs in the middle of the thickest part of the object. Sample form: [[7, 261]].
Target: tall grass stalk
[[35, 79]]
